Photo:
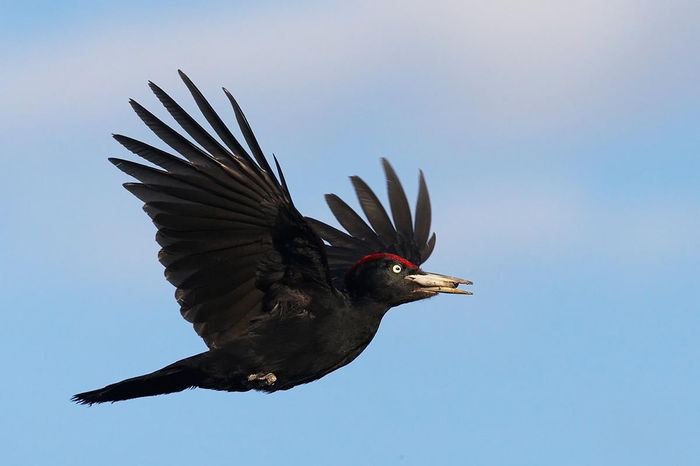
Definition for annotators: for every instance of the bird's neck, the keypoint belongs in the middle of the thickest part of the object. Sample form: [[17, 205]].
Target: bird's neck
[[368, 305]]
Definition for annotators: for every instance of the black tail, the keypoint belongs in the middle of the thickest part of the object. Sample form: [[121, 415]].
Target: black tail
[[173, 378]]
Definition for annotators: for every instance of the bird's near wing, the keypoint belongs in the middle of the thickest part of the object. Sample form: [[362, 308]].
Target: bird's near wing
[[402, 237], [226, 224]]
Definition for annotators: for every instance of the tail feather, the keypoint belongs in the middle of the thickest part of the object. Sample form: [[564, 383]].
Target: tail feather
[[173, 378]]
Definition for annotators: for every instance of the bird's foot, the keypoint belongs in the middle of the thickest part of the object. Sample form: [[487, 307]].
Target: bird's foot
[[268, 379]]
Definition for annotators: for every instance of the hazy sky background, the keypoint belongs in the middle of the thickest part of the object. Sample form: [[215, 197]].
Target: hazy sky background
[[561, 147]]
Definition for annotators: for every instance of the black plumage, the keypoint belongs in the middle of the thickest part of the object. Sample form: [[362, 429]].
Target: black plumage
[[279, 299]]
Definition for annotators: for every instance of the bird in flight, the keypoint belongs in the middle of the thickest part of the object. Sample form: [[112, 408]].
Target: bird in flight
[[280, 299]]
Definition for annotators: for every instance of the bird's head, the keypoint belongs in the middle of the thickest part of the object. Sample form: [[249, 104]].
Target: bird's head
[[392, 280]]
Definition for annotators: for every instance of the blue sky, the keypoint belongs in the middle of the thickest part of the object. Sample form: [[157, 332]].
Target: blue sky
[[561, 148]]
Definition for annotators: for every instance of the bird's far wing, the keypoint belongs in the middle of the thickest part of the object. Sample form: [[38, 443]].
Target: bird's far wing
[[227, 226], [403, 237]]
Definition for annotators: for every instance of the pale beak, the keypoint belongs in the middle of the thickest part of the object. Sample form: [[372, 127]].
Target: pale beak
[[436, 283]]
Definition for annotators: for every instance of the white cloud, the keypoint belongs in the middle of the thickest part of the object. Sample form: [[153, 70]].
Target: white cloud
[[528, 63]]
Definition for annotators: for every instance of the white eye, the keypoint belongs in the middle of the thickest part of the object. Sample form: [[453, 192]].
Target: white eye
[[396, 268]]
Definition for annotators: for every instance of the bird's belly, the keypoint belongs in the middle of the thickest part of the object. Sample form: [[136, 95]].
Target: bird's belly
[[308, 359], [305, 365]]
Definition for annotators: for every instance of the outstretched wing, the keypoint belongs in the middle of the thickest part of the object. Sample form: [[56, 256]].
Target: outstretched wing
[[227, 226], [403, 237]]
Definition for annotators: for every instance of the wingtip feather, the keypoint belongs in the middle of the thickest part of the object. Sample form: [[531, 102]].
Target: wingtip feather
[[400, 210]]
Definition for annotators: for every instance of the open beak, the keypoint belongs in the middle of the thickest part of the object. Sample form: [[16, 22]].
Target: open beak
[[436, 283]]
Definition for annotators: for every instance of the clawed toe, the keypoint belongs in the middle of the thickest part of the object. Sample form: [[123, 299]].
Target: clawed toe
[[268, 379]]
